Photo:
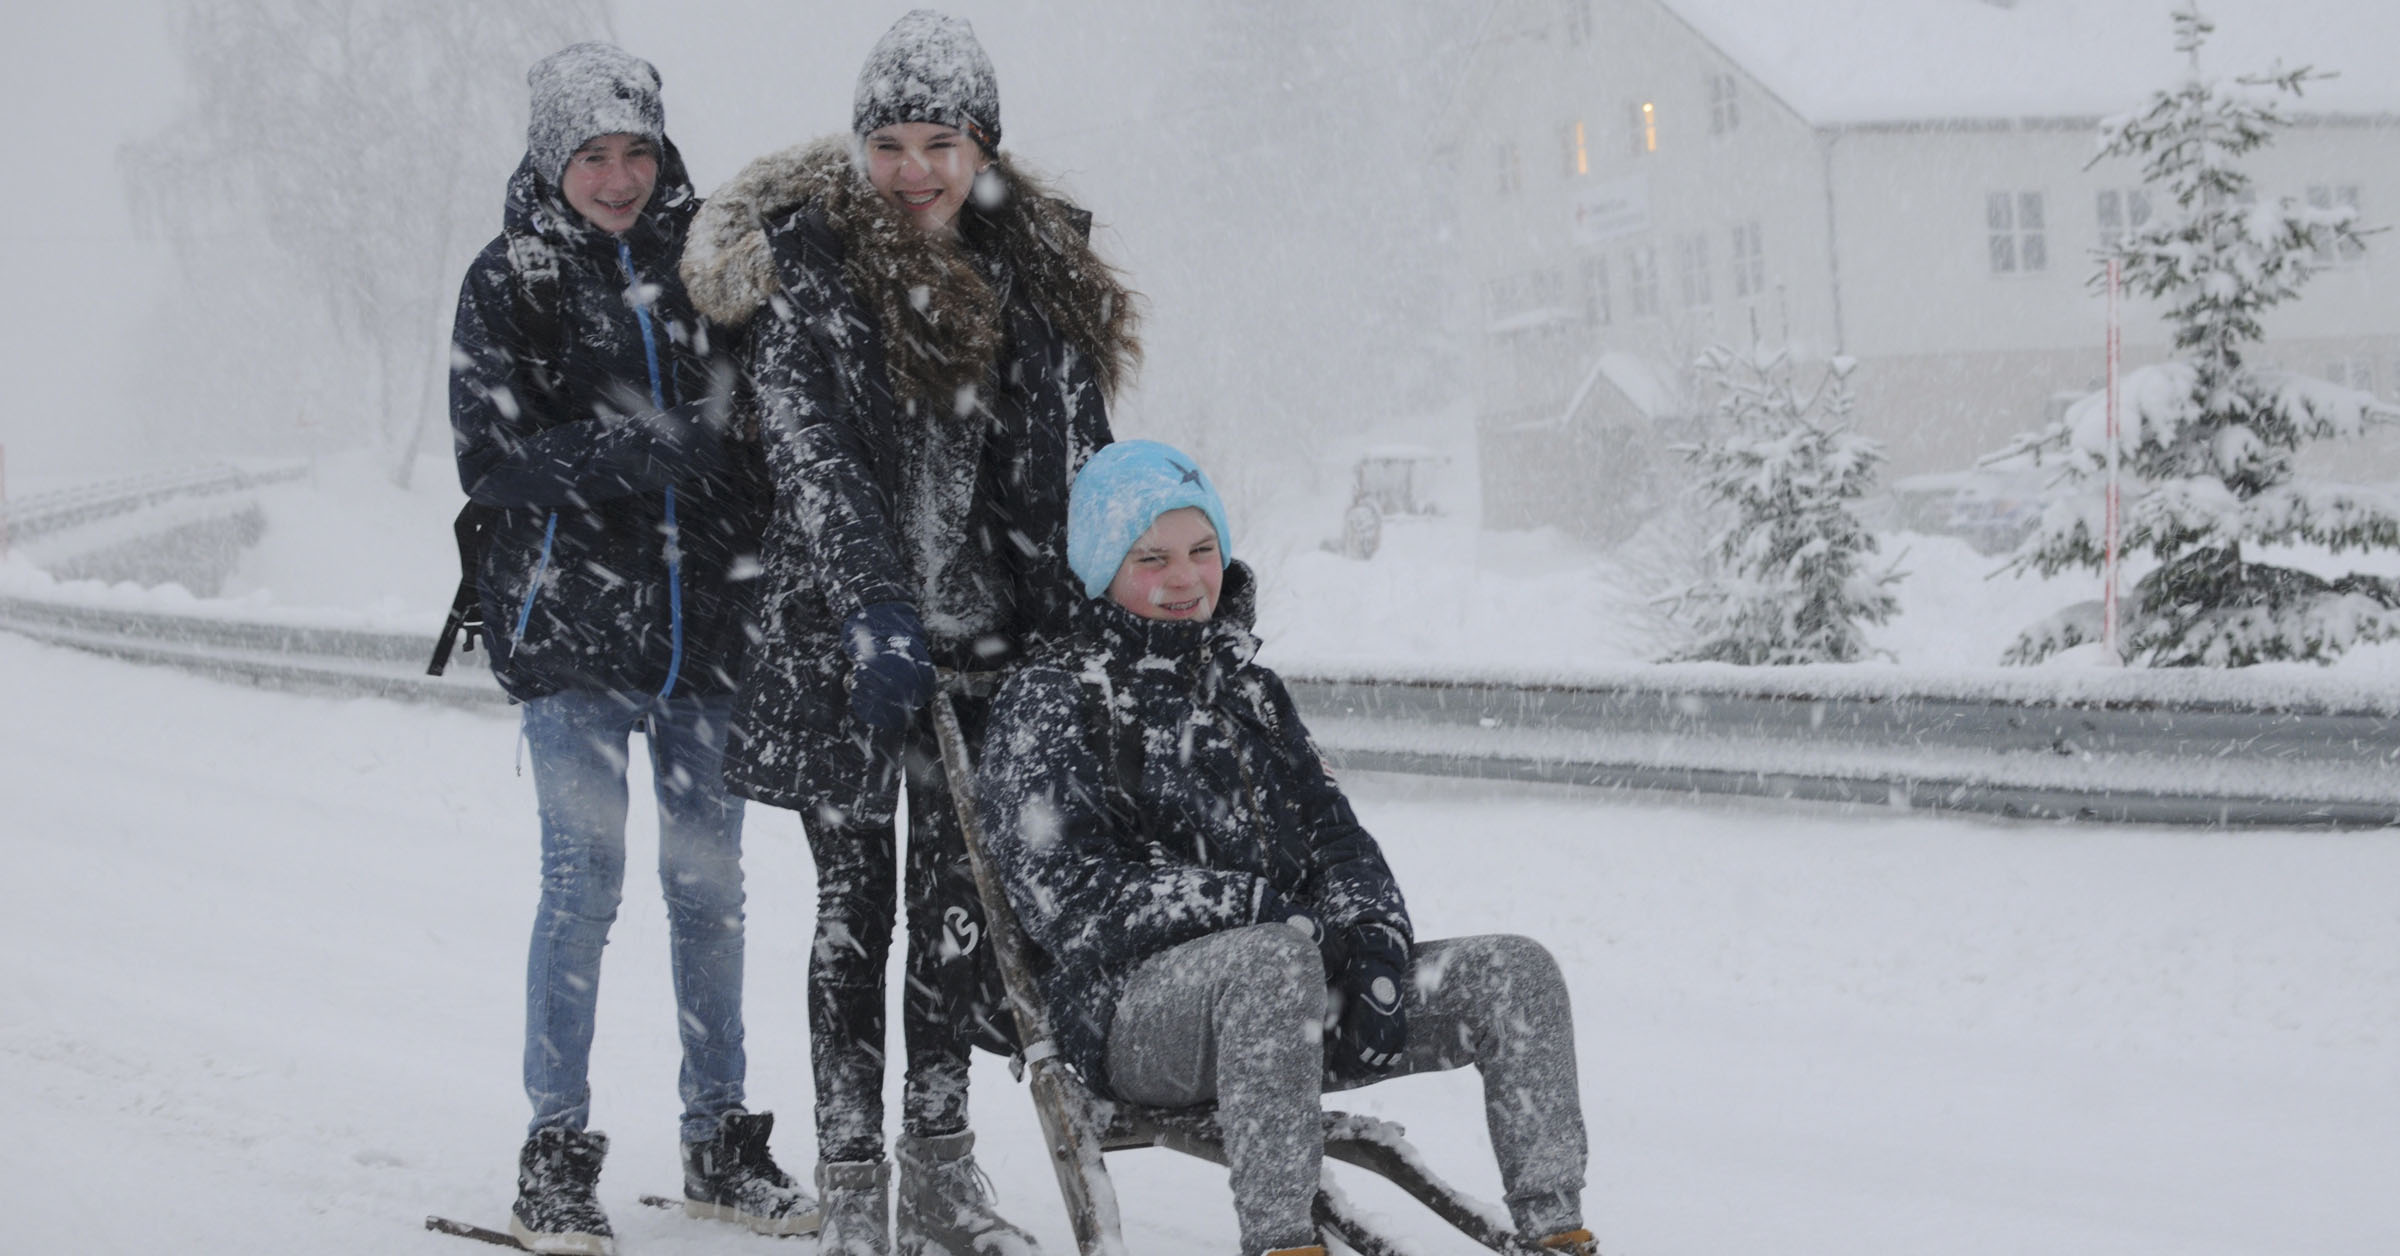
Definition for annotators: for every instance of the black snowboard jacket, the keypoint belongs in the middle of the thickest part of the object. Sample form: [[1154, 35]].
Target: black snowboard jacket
[[625, 532], [1143, 783], [838, 442]]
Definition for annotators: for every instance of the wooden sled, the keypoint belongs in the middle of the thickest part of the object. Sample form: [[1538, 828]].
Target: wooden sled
[[1079, 1126]]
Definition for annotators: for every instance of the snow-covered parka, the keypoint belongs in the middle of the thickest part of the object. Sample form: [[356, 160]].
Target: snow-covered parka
[[861, 337], [626, 527], [1144, 783]]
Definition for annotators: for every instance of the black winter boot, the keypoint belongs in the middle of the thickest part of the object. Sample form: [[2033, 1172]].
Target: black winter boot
[[733, 1178], [556, 1211], [857, 1199], [946, 1202]]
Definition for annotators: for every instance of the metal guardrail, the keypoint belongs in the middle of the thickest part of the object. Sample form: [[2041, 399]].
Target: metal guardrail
[[2122, 755], [42, 514], [2165, 748]]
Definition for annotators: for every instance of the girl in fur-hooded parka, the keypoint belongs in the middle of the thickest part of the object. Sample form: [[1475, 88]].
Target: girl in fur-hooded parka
[[931, 343]]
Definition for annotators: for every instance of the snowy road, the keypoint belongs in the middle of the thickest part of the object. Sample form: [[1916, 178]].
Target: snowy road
[[260, 992]]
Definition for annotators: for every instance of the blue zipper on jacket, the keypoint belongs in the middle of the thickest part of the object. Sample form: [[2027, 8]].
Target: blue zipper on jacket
[[658, 398], [540, 568]]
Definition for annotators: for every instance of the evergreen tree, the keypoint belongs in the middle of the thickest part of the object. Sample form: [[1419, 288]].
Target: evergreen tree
[[2208, 439], [1790, 582]]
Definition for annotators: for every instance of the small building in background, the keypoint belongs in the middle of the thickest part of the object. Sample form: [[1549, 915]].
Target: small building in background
[[1901, 181]]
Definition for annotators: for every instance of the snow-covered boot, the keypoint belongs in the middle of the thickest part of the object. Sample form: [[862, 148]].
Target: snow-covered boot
[[856, 1199], [1578, 1242], [733, 1178], [946, 1202], [556, 1209]]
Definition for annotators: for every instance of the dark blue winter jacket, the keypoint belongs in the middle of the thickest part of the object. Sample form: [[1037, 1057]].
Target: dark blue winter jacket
[[588, 411], [1142, 785]]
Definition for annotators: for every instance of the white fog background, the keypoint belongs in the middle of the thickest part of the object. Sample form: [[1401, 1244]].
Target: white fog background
[[1257, 166]]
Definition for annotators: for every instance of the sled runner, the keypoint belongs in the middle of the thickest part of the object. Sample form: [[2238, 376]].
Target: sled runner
[[1079, 1126]]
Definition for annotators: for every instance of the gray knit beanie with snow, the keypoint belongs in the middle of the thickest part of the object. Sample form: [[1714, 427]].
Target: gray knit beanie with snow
[[928, 68], [586, 90]]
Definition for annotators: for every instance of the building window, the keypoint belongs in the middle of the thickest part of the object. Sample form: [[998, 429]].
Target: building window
[[1645, 127], [2122, 212], [2019, 243], [1724, 106], [1641, 281], [1579, 22], [1525, 292], [2341, 196], [1595, 291], [1749, 260], [2358, 373], [1691, 270], [1579, 154], [1510, 168]]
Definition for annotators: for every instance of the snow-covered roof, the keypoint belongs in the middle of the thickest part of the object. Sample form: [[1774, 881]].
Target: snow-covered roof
[[1859, 61]]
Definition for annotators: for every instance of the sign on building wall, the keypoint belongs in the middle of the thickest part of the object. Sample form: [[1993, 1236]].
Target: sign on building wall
[[1605, 210]]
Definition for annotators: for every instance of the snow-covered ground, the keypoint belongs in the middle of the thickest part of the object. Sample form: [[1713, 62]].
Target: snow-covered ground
[[261, 986], [344, 546], [260, 965]]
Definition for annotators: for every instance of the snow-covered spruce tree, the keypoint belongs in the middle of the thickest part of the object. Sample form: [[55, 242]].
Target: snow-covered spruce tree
[[2208, 438], [1789, 581]]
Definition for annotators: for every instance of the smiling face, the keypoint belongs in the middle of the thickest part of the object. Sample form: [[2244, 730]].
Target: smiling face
[[1174, 571], [609, 180], [926, 170]]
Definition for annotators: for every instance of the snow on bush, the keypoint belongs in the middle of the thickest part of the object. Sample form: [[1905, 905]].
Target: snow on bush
[[1788, 579]]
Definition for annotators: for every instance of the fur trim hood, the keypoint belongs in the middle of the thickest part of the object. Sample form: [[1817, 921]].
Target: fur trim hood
[[941, 315]]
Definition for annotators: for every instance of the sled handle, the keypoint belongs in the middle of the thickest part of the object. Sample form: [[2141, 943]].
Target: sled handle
[[1068, 1126]]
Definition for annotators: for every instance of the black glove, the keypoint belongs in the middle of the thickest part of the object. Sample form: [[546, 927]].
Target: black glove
[[1275, 909], [1373, 984], [891, 675]]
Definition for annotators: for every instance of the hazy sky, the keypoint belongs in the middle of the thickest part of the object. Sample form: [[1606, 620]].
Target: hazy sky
[[88, 77], [1132, 107]]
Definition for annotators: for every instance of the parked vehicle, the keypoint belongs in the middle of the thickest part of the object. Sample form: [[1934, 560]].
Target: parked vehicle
[[1389, 482]]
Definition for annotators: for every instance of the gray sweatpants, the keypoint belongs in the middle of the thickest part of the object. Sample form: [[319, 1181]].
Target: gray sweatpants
[[1238, 1017]]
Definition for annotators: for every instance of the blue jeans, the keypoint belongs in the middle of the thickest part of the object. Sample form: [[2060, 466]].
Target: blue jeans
[[578, 742]]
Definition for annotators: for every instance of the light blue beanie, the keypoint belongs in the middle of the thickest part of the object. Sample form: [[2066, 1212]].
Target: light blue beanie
[[1119, 493]]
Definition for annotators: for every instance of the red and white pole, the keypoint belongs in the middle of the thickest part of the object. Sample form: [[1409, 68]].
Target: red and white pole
[[2112, 522]]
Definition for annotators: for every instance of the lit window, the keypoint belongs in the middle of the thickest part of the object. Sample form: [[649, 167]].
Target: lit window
[[2013, 223], [1749, 260], [1582, 152], [1645, 127]]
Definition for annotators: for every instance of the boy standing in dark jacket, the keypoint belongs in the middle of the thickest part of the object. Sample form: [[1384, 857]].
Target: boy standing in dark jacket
[[1213, 923], [622, 521]]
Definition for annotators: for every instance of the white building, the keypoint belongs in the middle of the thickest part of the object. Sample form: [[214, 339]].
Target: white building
[[1903, 181]]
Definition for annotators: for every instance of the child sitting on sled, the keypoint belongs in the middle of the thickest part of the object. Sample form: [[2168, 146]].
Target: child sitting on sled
[[1213, 923]]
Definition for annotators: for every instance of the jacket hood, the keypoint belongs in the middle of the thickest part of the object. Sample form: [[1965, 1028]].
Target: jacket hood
[[535, 206], [940, 297]]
